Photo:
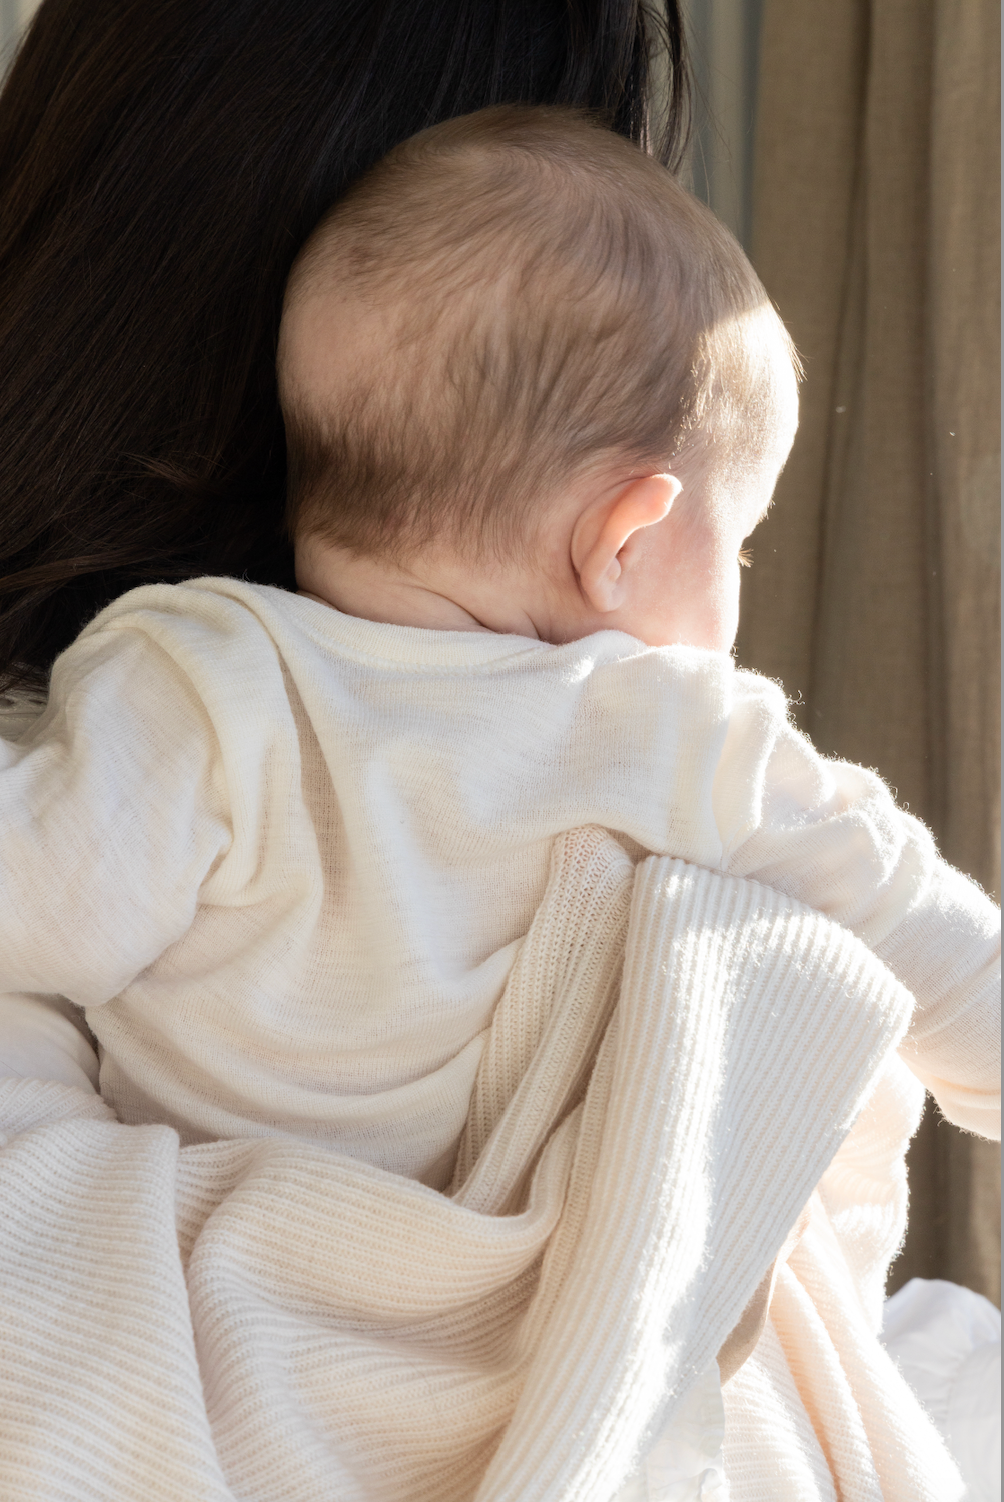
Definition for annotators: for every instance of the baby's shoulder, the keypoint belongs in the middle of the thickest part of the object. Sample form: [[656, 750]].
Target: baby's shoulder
[[690, 675], [166, 655], [207, 613]]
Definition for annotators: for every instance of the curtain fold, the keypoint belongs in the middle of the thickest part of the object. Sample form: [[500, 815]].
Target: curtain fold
[[874, 595]]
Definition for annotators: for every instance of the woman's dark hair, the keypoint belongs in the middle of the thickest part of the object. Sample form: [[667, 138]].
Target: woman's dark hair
[[161, 162]]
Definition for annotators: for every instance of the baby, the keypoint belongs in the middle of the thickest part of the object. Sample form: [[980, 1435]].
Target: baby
[[281, 849]]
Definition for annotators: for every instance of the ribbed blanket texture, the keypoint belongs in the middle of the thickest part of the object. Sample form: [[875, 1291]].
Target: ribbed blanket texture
[[674, 1064]]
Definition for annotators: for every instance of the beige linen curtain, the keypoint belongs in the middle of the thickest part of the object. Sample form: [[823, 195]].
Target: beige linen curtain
[[874, 592]]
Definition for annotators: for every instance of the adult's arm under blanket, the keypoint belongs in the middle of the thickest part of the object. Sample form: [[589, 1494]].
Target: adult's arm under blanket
[[678, 1060]]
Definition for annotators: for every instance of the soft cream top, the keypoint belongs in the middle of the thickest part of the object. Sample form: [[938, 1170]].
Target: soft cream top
[[284, 857]]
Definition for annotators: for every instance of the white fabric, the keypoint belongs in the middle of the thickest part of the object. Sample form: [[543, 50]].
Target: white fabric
[[946, 1340], [285, 857], [675, 1063], [686, 1462], [42, 1037]]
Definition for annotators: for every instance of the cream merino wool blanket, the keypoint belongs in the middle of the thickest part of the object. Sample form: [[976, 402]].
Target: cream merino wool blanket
[[674, 1064]]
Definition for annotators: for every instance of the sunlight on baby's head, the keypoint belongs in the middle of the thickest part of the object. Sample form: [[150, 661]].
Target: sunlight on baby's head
[[507, 301]]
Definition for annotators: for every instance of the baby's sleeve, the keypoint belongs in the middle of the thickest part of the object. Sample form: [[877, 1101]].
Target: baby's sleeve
[[946, 951], [112, 813], [830, 834]]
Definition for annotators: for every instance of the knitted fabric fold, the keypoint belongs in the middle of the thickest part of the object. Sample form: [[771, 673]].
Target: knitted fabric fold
[[676, 1060]]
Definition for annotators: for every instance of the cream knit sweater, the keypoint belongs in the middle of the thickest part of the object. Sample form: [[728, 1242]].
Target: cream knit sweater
[[273, 1322]]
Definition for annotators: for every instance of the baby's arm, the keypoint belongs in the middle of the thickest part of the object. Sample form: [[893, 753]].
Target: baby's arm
[[954, 1043], [107, 828], [830, 834]]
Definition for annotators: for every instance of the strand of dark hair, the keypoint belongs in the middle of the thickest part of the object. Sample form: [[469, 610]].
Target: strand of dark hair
[[161, 162]]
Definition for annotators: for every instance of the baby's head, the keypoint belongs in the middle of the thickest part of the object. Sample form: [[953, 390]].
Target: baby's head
[[525, 374]]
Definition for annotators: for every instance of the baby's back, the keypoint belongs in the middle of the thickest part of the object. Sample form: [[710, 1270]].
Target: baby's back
[[393, 796]]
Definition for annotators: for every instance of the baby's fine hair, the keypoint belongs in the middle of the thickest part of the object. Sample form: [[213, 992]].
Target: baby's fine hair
[[516, 295]]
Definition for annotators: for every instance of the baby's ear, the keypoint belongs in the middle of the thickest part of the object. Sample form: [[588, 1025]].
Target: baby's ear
[[639, 504]]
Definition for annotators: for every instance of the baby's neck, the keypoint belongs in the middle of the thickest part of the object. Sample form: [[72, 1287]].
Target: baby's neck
[[435, 599]]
